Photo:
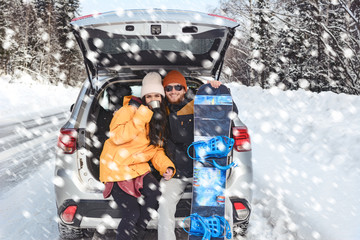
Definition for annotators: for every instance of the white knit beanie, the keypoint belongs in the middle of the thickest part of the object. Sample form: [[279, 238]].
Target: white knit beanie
[[152, 84]]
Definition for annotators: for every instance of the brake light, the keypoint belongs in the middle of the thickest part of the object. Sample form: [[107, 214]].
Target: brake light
[[68, 214], [215, 15], [242, 139], [241, 211], [239, 206], [84, 17], [67, 140]]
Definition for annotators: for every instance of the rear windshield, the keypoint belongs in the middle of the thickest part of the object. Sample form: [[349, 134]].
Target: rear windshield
[[113, 49], [114, 46]]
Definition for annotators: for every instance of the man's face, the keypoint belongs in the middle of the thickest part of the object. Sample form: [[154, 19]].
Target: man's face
[[174, 94]]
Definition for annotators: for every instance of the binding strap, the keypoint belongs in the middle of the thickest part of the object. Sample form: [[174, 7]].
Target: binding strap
[[213, 226], [216, 147]]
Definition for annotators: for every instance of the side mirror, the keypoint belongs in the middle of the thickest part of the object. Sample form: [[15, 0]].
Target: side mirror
[[72, 107]]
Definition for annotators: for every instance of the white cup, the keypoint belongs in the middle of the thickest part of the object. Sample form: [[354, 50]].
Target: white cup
[[154, 104]]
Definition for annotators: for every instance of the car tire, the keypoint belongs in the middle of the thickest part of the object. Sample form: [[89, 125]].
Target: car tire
[[67, 232]]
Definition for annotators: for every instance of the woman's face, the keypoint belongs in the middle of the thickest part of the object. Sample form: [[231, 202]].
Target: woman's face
[[152, 97]]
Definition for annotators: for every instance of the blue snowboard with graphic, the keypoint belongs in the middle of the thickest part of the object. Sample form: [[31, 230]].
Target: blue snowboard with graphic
[[212, 113]]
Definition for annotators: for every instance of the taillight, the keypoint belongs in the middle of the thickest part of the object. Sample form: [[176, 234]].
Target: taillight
[[242, 212], [68, 214], [242, 139], [67, 140], [239, 206]]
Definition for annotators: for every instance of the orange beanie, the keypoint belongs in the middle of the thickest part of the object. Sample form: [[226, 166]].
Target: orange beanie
[[175, 77]]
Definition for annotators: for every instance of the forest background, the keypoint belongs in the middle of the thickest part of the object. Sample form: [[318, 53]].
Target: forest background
[[289, 44]]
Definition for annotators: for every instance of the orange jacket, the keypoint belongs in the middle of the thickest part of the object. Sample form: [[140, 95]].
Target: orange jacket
[[126, 153]]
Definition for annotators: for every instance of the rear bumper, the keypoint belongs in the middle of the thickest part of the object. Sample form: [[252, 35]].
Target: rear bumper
[[94, 213], [91, 214]]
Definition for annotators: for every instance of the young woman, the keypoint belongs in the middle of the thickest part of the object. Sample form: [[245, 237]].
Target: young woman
[[137, 134]]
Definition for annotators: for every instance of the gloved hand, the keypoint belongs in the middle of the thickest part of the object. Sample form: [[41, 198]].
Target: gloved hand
[[136, 102], [168, 174]]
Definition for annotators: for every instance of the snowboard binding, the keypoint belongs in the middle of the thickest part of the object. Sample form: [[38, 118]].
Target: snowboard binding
[[216, 147], [213, 226]]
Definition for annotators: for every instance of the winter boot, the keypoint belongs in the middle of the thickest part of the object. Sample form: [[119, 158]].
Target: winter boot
[[139, 233]]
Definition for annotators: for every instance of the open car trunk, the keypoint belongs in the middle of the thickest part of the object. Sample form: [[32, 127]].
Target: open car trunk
[[192, 42], [102, 111]]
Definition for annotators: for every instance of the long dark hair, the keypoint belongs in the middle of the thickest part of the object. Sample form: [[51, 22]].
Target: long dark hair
[[158, 130]]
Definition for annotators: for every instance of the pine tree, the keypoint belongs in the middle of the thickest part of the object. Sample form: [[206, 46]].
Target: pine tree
[[8, 45], [237, 67], [65, 12], [349, 53], [45, 13], [292, 48], [263, 44], [30, 36], [314, 44]]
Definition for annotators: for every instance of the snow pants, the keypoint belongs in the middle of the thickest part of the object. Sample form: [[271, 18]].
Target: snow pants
[[135, 215], [171, 193]]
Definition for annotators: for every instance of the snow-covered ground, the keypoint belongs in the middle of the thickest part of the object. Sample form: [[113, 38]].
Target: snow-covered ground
[[306, 161], [306, 149], [27, 206]]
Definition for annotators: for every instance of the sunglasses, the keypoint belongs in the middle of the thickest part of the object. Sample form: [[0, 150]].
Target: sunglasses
[[169, 88]]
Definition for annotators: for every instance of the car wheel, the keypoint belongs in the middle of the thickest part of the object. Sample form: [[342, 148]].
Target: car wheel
[[69, 232]]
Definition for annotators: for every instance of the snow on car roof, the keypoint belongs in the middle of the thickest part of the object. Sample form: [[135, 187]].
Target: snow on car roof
[[154, 15]]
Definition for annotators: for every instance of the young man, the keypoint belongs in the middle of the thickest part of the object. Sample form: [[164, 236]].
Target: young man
[[181, 118]]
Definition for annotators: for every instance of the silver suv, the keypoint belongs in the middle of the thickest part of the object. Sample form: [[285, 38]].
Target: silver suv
[[119, 48]]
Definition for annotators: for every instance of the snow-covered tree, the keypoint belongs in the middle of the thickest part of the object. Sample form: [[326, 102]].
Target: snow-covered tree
[[237, 61], [65, 12], [311, 44], [34, 37], [8, 44]]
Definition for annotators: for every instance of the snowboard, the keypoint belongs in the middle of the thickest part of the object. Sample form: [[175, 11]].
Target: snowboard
[[212, 112]]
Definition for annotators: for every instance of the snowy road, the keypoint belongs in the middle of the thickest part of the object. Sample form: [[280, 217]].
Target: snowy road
[[26, 145], [26, 173]]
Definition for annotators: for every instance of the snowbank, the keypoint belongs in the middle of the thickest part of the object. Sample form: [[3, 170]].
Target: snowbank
[[306, 149], [22, 97]]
